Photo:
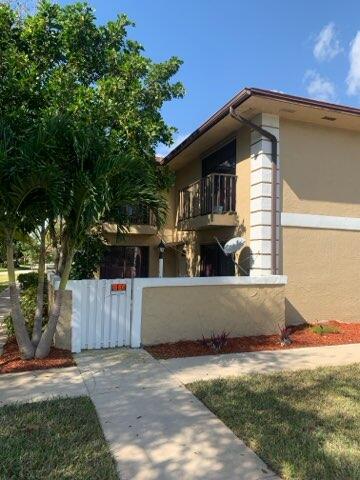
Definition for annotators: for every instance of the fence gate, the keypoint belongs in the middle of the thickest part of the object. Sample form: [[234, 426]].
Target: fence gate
[[100, 313]]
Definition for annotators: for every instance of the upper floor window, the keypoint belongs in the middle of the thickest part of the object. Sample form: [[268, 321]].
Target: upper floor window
[[221, 161]]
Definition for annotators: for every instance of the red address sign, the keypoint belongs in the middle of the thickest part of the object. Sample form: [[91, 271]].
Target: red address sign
[[118, 287]]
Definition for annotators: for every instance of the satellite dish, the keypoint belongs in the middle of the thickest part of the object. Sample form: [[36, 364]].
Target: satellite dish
[[233, 245]]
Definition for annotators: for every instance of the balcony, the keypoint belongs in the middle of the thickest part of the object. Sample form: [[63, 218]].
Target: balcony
[[209, 202], [141, 219]]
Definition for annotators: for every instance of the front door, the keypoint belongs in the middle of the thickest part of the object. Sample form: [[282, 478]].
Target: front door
[[125, 262]]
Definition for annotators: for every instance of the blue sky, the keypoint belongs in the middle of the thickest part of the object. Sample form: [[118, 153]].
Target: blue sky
[[309, 48]]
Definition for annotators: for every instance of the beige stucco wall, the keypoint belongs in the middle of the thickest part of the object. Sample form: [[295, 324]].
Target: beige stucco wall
[[190, 173], [323, 268], [62, 337], [243, 183], [320, 170], [186, 313]]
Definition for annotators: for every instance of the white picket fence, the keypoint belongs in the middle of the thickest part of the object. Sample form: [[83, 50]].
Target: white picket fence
[[100, 318]]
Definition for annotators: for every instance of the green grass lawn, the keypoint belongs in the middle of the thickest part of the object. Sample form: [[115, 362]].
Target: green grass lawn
[[58, 439], [4, 276], [3, 280], [304, 425]]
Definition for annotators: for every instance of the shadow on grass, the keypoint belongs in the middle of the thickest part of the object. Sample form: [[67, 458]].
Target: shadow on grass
[[305, 425], [57, 439]]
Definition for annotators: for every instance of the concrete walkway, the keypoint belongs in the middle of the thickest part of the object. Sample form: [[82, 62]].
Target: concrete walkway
[[190, 369], [4, 303], [156, 428], [41, 385]]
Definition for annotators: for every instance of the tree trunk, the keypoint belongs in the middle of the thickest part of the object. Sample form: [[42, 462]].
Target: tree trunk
[[64, 255], [55, 247], [22, 337], [44, 346], [36, 334], [56, 260]]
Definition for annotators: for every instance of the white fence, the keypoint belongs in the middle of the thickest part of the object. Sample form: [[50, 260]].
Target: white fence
[[109, 313], [101, 313]]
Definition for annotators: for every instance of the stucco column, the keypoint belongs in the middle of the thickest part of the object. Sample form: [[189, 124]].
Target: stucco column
[[260, 196]]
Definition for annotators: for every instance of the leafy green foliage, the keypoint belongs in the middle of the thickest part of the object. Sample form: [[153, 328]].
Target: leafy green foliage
[[88, 258], [100, 96], [324, 329], [81, 119], [9, 326], [27, 303], [27, 280]]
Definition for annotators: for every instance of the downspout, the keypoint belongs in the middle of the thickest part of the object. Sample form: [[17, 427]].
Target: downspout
[[273, 141]]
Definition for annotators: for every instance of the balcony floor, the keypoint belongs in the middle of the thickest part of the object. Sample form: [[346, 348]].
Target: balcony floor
[[133, 229], [206, 221]]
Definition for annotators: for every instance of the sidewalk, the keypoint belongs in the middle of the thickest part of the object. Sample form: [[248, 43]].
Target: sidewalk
[[156, 428], [4, 303], [41, 385], [190, 369]]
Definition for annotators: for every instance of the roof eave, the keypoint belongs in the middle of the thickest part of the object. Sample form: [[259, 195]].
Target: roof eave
[[240, 98], [213, 120]]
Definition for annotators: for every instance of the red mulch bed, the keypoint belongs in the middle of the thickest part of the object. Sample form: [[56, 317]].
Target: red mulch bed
[[301, 336], [10, 361]]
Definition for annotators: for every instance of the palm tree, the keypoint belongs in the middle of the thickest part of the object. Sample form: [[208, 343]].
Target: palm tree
[[100, 180], [28, 185]]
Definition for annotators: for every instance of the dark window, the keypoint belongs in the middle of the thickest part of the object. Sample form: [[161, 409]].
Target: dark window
[[125, 262], [137, 215], [214, 263], [221, 161]]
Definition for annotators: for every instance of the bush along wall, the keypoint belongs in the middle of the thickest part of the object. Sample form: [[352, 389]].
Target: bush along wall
[[27, 280]]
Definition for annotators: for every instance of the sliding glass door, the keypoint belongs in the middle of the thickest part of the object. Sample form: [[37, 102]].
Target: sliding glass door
[[125, 262], [214, 263]]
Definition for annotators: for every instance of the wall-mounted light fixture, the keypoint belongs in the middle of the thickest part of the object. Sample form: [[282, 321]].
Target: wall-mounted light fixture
[[161, 248]]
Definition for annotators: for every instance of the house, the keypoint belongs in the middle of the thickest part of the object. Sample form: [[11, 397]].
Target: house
[[281, 171]]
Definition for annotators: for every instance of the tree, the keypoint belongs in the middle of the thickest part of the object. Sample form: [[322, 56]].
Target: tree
[[104, 98], [88, 257], [29, 184]]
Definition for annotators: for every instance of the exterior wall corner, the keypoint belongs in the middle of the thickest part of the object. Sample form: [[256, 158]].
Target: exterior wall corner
[[260, 195]]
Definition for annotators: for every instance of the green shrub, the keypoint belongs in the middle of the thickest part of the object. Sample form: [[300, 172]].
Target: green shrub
[[324, 329], [27, 280], [88, 258], [28, 307], [9, 327]]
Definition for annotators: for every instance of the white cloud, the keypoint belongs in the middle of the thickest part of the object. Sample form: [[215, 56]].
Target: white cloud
[[163, 150], [319, 87], [327, 45], [353, 78]]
